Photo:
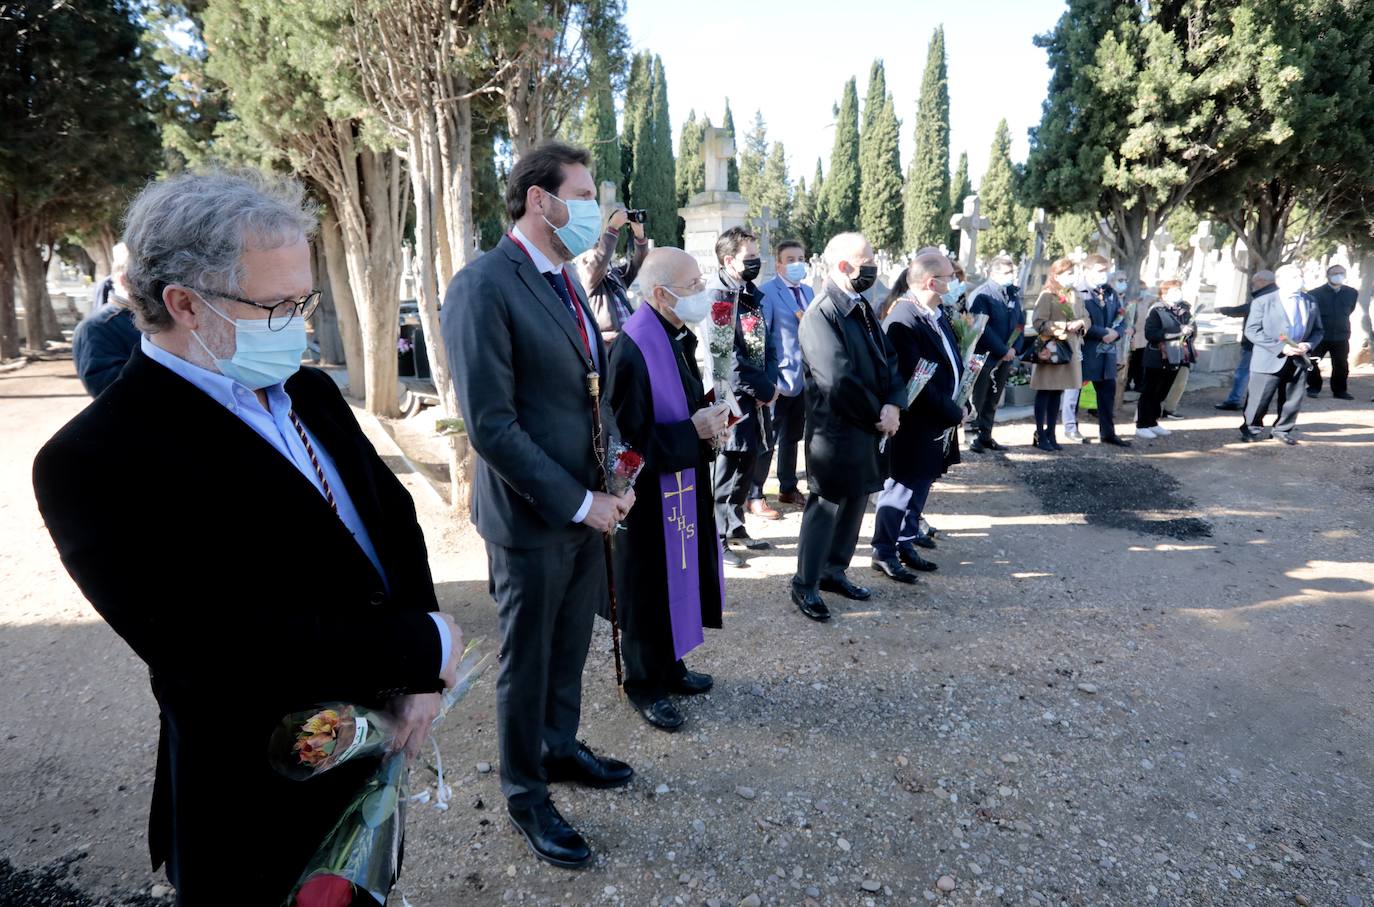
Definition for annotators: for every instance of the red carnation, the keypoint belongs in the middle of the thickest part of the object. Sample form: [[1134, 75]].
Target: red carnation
[[722, 311], [325, 890], [628, 464]]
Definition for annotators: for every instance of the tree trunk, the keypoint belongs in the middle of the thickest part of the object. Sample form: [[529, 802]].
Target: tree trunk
[[345, 307], [9, 316], [1366, 289], [325, 321], [1129, 240], [100, 248], [33, 285]]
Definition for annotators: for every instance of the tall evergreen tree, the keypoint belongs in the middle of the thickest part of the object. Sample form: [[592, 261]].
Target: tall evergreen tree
[[880, 195], [637, 94], [873, 102], [732, 169], [653, 185], [752, 158], [599, 133], [840, 203], [691, 168], [927, 183], [801, 221], [820, 232], [775, 191], [960, 188], [998, 203]]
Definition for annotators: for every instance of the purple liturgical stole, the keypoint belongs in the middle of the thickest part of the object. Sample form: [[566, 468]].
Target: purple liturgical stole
[[679, 489]]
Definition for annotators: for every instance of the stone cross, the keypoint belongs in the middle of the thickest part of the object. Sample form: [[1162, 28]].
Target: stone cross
[[1033, 269], [763, 225], [1202, 242], [1077, 256], [1158, 244], [968, 224], [717, 151]]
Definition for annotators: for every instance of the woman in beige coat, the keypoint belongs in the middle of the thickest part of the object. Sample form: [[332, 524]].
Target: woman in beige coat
[[1059, 323]]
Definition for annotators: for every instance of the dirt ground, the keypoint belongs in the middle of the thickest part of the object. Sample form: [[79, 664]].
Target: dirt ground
[[1139, 677]]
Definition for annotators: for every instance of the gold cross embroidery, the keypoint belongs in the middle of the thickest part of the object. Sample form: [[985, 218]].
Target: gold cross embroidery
[[678, 516]]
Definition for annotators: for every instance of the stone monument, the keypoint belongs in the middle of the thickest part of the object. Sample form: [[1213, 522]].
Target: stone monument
[[1035, 269], [716, 209], [968, 224]]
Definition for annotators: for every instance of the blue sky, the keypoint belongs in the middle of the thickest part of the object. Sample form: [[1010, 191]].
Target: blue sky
[[791, 60]]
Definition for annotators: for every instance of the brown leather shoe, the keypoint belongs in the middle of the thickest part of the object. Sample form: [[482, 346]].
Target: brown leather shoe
[[759, 508], [795, 498]]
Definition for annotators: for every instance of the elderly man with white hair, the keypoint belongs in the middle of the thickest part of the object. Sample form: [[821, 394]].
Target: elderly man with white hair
[[256, 553], [1284, 327], [854, 397], [668, 561]]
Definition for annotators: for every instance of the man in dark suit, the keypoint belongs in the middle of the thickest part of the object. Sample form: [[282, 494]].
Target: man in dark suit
[[1285, 327], [1336, 302], [1000, 300], [524, 347], [256, 553], [853, 399], [668, 570], [1105, 321], [918, 328], [753, 379]]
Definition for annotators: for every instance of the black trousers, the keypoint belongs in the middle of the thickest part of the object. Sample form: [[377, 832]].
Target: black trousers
[[1286, 383], [1151, 402], [829, 536], [987, 396], [732, 477], [789, 424], [1339, 351], [1135, 371], [1106, 408], [546, 599]]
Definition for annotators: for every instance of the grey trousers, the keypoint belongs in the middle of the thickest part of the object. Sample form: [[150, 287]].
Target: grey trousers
[[829, 536], [546, 599]]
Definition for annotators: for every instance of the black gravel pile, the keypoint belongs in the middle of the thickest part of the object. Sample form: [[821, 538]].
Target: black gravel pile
[[1116, 492]]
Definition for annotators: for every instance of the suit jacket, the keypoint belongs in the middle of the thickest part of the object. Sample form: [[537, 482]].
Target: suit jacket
[[521, 376], [753, 381], [229, 574], [784, 319], [1103, 307], [1336, 304], [851, 374], [1268, 324], [1005, 314], [918, 453], [104, 341]]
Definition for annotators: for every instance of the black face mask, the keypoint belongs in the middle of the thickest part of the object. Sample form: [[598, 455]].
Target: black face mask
[[749, 268], [867, 276]]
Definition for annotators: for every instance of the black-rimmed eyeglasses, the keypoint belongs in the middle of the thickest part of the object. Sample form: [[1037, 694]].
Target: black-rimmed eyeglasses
[[279, 314]]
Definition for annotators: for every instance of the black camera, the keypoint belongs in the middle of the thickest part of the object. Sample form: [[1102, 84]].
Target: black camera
[[637, 215]]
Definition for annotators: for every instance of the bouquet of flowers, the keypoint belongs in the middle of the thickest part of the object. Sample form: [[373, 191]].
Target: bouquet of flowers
[[967, 329], [1125, 316], [623, 465], [1014, 337], [965, 389], [358, 858], [311, 742], [925, 370], [755, 332], [721, 342], [1306, 359]]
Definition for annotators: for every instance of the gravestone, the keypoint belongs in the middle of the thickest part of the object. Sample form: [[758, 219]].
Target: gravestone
[[1035, 269], [968, 223], [763, 226], [1151, 276], [1077, 256], [1170, 263], [715, 209], [1202, 242]]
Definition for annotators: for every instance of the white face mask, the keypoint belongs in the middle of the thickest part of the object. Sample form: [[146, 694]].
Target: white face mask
[[1290, 286], [1336, 279], [1173, 296], [1097, 278], [691, 309]]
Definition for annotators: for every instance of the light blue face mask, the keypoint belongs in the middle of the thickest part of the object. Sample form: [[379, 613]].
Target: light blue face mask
[[584, 224], [795, 271], [951, 296], [262, 357]]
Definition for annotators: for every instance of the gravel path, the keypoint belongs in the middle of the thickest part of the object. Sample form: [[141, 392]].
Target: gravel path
[[1104, 696]]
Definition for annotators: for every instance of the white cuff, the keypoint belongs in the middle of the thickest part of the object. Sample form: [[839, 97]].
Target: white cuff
[[584, 509], [445, 640]]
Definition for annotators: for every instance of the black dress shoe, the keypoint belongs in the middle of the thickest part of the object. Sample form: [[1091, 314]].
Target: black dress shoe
[[841, 585], [1116, 440], [691, 684], [1314, 394], [742, 536], [925, 541], [663, 715], [893, 568], [1285, 437], [549, 835], [977, 446], [588, 769], [1249, 435], [909, 556], [993, 445], [1344, 396], [1229, 407], [810, 604]]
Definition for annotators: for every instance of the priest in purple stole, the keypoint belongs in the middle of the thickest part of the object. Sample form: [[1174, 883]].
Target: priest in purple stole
[[669, 582]]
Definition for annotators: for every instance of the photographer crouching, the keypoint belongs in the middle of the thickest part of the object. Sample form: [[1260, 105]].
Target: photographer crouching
[[607, 283]]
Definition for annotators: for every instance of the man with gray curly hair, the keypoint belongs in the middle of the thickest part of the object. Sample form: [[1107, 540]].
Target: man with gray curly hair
[[254, 550]]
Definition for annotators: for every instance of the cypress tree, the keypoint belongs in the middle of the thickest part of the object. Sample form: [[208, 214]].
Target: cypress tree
[[880, 195], [997, 202], [960, 188], [927, 184], [801, 221], [840, 203], [820, 232], [637, 92], [776, 192], [653, 186], [599, 133], [691, 168], [732, 169], [752, 158]]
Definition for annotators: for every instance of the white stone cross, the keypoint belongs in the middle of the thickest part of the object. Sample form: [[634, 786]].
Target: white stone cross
[[717, 150], [968, 224], [763, 225]]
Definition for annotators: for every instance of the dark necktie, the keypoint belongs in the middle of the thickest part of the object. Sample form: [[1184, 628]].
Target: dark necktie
[[796, 292], [561, 288]]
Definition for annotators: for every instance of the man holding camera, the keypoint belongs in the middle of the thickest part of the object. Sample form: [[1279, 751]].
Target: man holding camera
[[606, 283]]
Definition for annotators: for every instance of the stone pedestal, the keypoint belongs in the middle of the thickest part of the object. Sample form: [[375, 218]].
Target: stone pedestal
[[706, 216]]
